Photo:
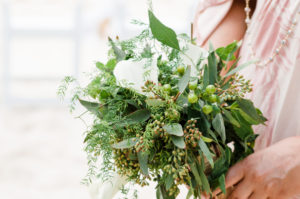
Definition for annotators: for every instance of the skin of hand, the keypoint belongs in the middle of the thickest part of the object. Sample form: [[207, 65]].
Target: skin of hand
[[271, 173]]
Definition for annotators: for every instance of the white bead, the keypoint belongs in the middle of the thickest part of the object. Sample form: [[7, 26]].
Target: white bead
[[283, 42], [247, 9], [270, 59], [289, 31], [247, 21], [277, 51], [294, 22]]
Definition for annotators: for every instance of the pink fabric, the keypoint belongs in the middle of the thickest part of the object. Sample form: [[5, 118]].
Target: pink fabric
[[276, 86], [212, 12]]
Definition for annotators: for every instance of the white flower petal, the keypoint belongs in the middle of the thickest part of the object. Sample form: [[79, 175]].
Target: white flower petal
[[134, 74], [194, 53]]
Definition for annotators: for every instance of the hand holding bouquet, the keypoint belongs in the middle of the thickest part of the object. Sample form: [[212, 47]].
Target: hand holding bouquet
[[164, 113]]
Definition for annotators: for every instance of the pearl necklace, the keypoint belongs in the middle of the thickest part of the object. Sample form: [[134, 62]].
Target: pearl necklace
[[283, 42]]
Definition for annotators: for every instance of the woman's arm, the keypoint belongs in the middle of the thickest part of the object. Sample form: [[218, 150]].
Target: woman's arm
[[231, 28]]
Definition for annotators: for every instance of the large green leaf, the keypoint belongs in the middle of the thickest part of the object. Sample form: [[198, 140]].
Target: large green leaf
[[218, 124], [184, 81], [92, 107], [162, 193], [227, 53], [143, 160], [125, 144], [206, 139], [249, 119], [205, 182], [163, 33], [212, 68], [231, 118], [206, 152], [174, 129], [248, 107], [135, 117], [245, 128], [169, 181], [222, 183], [178, 141], [189, 194], [120, 55], [206, 76], [195, 173], [158, 193]]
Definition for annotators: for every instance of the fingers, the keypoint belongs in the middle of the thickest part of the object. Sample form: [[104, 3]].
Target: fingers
[[235, 174], [242, 191], [216, 192]]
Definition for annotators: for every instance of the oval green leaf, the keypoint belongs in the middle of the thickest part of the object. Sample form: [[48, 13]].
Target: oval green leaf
[[184, 81], [206, 152], [163, 33], [143, 160], [125, 144], [218, 124], [174, 129], [178, 141]]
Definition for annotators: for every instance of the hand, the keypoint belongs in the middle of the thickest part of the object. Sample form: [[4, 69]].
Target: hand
[[273, 172]]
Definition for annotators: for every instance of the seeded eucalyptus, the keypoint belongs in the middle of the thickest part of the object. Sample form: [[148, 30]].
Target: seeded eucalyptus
[[174, 128]]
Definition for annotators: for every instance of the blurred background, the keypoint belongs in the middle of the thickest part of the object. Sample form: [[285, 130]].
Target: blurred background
[[41, 41]]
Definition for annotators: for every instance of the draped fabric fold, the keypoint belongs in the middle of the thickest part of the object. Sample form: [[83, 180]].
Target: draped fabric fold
[[209, 14], [276, 86]]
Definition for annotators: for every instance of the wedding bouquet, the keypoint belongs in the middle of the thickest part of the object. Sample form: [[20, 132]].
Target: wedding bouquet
[[164, 113]]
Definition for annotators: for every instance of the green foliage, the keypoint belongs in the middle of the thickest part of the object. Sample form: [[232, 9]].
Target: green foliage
[[62, 89], [128, 143], [135, 118], [174, 129], [227, 53], [120, 55], [184, 81], [164, 136], [178, 141], [143, 160], [212, 69], [218, 124], [206, 152], [92, 107], [162, 33]]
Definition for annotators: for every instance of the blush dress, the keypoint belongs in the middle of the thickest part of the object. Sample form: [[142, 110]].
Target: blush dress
[[276, 90]]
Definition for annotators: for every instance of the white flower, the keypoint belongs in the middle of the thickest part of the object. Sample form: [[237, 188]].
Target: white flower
[[192, 55], [134, 74]]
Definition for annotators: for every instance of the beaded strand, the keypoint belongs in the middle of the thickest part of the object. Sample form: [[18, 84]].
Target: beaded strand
[[283, 42]]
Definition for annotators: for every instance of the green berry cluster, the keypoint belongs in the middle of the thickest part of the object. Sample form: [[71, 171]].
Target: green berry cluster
[[238, 87], [128, 165], [192, 133], [178, 169]]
